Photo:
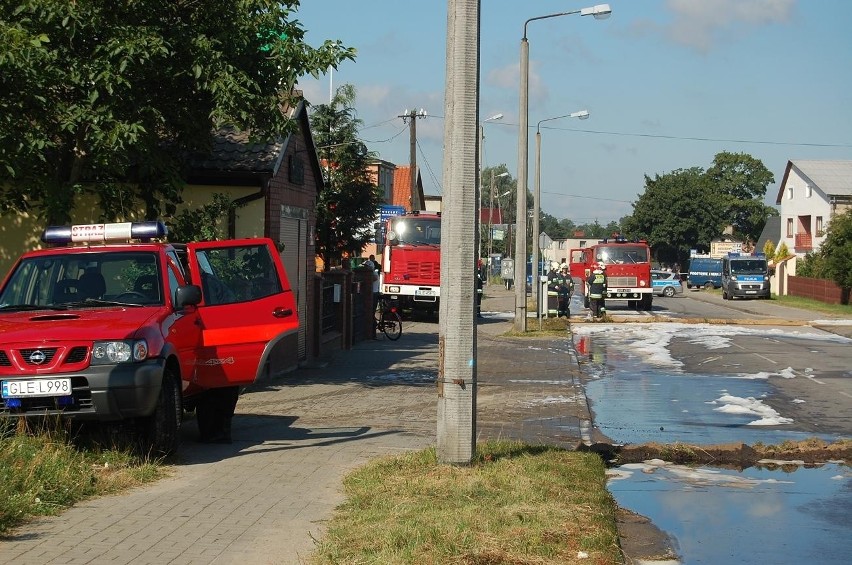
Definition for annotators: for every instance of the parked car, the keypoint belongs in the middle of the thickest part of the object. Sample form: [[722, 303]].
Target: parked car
[[666, 283]]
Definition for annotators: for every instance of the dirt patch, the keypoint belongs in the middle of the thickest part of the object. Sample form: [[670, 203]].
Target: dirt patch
[[641, 540], [732, 455]]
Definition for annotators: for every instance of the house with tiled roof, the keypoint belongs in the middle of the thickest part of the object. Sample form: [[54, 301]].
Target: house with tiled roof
[[275, 186], [812, 192], [402, 192]]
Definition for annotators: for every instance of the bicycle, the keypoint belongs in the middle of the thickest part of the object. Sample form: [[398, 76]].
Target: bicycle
[[388, 320]]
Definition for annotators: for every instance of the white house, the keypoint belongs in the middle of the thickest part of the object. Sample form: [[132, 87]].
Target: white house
[[811, 193]]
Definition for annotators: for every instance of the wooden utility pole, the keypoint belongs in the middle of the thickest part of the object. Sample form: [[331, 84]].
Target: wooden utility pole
[[411, 116]]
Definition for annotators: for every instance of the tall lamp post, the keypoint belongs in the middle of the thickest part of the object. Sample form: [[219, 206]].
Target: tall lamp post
[[481, 158], [600, 11], [583, 115], [491, 218]]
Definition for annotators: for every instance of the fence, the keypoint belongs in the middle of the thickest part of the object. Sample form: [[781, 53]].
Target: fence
[[816, 289], [344, 309]]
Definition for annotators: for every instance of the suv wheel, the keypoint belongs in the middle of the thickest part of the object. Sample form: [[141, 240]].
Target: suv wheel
[[161, 430]]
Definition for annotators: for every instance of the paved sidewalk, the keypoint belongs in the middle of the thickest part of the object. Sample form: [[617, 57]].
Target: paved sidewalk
[[266, 497]]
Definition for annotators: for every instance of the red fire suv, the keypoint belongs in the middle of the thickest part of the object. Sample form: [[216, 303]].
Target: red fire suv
[[112, 323]]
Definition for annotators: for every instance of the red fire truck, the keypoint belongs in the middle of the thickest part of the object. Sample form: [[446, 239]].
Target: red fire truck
[[628, 269], [411, 260]]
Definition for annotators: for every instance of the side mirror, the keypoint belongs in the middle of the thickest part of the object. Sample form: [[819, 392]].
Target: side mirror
[[189, 295]]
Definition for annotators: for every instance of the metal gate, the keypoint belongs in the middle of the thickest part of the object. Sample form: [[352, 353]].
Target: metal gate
[[293, 235]]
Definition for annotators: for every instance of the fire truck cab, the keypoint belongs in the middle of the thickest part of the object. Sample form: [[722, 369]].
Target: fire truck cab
[[411, 260], [112, 323], [628, 269]]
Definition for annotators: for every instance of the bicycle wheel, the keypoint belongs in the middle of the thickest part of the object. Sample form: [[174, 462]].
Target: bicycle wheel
[[391, 324]]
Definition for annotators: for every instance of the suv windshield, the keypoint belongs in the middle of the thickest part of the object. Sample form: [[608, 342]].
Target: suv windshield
[[748, 266], [84, 279]]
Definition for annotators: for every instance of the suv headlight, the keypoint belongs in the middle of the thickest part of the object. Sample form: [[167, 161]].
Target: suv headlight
[[126, 351]]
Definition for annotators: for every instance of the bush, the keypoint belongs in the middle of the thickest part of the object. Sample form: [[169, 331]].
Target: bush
[[812, 266]]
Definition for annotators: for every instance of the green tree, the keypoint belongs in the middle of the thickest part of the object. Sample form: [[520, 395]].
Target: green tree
[[205, 223], [96, 94], [812, 265], [553, 227], [349, 202], [769, 250], [837, 252], [677, 212], [741, 180]]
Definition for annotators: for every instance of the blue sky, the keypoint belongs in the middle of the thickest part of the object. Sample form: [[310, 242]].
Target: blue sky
[[668, 84]]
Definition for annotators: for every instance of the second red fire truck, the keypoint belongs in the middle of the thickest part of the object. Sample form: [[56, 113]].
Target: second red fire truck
[[628, 269]]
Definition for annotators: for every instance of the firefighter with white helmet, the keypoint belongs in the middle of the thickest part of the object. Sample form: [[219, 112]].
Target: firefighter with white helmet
[[596, 287], [562, 284]]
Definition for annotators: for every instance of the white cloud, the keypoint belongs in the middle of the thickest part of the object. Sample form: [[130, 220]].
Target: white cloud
[[700, 24], [508, 77]]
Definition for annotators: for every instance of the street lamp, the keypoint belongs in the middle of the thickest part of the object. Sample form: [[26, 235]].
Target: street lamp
[[601, 11], [583, 115], [491, 213], [481, 158]]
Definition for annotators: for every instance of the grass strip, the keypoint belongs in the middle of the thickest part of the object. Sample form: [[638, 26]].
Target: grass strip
[[44, 473], [515, 503]]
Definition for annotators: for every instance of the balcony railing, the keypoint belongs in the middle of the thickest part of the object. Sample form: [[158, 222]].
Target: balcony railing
[[804, 242]]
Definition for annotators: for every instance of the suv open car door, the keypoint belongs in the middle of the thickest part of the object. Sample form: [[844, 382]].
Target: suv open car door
[[247, 307]]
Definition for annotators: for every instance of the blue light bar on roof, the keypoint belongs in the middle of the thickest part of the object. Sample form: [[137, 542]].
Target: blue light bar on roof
[[102, 233]]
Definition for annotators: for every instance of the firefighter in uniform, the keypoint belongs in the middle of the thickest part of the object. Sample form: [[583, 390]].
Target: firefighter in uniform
[[563, 285], [596, 285]]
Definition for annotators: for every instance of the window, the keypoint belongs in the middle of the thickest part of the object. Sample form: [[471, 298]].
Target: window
[[808, 191], [296, 170], [820, 231], [237, 274], [789, 193], [789, 227]]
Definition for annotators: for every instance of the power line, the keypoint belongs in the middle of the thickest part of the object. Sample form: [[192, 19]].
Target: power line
[[391, 138], [695, 138], [682, 138], [429, 168], [588, 197]]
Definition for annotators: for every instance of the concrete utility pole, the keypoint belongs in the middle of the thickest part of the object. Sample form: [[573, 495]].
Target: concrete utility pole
[[411, 116], [457, 325]]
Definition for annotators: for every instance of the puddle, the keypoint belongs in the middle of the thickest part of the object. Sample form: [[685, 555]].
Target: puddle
[[750, 517], [644, 404], [713, 515]]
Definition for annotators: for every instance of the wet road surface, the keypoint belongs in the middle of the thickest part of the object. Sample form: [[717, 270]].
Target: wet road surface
[[702, 384]]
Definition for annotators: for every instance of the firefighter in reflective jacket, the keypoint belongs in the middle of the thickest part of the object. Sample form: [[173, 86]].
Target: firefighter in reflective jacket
[[563, 285], [596, 285]]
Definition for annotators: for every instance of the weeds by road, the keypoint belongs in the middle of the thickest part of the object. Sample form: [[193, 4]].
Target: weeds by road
[[42, 474], [515, 503]]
